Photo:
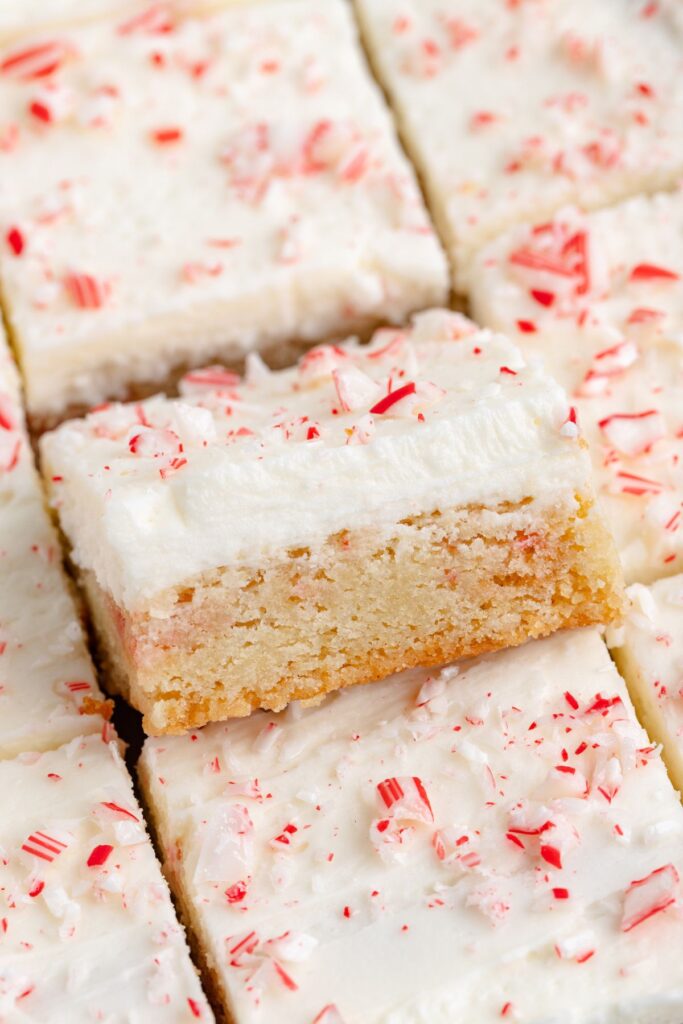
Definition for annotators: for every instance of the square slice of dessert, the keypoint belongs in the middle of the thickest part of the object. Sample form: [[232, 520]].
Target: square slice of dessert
[[600, 299], [648, 649], [48, 692], [269, 539], [178, 190], [498, 841], [512, 109], [88, 928]]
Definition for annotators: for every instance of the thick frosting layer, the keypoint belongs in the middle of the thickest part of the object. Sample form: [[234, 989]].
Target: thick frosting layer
[[599, 297], [492, 841], [88, 929], [557, 101], [441, 414], [649, 647], [48, 692], [175, 189]]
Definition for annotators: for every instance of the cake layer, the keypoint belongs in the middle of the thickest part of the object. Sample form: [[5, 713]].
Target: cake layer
[[48, 692], [492, 841], [512, 109], [649, 652], [599, 298], [441, 586], [421, 499], [174, 190], [88, 928]]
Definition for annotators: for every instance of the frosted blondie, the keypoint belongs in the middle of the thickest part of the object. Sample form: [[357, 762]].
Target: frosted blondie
[[599, 298], [269, 539], [48, 691], [88, 928], [649, 652], [512, 109], [498, 841], [178, 190]]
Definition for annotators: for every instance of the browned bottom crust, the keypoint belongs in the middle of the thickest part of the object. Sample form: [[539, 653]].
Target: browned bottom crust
[[357, 608]]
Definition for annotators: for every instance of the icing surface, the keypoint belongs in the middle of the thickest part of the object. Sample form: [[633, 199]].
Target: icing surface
[[175, 187], [557, 101], [88, 929], [46, 676], [466, 845]]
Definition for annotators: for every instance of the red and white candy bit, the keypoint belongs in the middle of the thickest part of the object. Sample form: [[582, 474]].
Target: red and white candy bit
[[607, 779], [7, 421], [361, 432], [652, 272], [195, 1008], [406, 798], [167, 135], [328, 1015], [551, 855], [157, 19], [355, 389], [34, 62], [411, 399], [99, 855], [86, 291], [608, 364], [634, 433], [643, 315], [119, 810], [393, 399], [650, 895], [321, 361], [212, 378], [154, 443], [570, 427], [237, 892], [284, 838], [555, 250], [44, 846], [16, 242], [579, 947]]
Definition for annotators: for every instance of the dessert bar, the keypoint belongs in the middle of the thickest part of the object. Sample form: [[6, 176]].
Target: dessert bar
[[492, 842], [263, 540], [179, 189], [511, 110], [88, 929], [48, 692], [649, 652]]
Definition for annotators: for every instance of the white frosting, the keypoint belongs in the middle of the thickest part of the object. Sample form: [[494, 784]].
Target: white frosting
[[234, 475], [219, 187], [325, 894], [45, 672], [651, 646], [512, 109], [18, 17], [84, 942], [612, 335]]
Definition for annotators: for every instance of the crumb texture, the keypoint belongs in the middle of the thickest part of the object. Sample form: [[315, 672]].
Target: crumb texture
[[436, 587]]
